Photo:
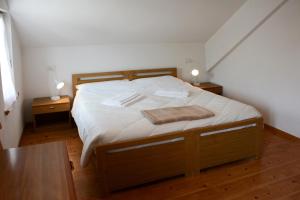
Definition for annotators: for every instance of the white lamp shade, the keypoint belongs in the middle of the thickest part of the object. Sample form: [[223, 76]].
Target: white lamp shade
[[59, 85], [195, 72]]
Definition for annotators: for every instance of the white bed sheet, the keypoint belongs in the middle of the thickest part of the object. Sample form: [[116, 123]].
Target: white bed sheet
[[100, 124]]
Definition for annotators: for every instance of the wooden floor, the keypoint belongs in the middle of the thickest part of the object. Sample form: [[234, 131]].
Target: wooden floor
[[275, 176]]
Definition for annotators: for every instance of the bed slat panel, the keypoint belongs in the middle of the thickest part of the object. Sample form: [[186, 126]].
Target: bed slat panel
[[97, 80], [125, 168], [226, 147]]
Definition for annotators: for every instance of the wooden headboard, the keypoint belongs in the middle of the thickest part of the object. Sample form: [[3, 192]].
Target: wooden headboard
[[119, 75]]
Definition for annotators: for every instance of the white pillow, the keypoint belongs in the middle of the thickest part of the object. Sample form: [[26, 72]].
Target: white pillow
[[98, 87], [168, 83]]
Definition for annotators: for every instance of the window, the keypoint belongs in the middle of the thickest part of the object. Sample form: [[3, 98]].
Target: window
[[8, 87]]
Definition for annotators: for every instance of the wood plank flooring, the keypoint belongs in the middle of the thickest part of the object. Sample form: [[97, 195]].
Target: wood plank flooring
[[275, 176]]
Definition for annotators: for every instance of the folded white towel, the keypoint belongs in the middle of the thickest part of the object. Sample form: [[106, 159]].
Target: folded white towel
[[126, 98], [122, 100], [175, 94]]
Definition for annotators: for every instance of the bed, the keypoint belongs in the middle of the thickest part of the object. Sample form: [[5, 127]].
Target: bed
[[130, 151]]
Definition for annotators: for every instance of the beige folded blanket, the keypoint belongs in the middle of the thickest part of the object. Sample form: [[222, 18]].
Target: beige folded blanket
[[175, 114]]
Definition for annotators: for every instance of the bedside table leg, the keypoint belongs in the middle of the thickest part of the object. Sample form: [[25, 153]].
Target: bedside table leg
[[33, 122], [70, 119]]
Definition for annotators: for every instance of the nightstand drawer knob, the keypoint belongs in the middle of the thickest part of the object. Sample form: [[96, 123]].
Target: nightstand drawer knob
[[51, 107]]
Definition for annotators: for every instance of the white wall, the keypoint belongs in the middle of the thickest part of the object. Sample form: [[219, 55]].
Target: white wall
[[13, 122], [3, 5], [83, 59], [235, 30], [265, 69]]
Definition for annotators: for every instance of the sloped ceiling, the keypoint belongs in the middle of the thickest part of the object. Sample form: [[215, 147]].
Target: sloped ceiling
[[43, 23]]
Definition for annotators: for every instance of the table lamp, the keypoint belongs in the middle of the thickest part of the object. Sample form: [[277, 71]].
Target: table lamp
[[195, 74], [55, 83], [59, 85]]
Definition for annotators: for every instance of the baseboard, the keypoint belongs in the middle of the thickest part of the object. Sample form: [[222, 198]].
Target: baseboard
[[281, 133]]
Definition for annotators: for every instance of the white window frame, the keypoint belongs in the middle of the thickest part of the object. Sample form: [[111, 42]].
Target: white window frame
[[8, 81]]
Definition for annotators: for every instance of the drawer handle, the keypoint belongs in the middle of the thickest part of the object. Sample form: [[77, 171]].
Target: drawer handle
[[51, 107]]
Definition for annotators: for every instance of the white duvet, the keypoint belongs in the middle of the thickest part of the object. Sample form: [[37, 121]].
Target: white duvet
[[101, 124]]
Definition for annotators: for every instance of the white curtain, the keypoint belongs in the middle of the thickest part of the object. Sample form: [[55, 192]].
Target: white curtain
[[8, 87]]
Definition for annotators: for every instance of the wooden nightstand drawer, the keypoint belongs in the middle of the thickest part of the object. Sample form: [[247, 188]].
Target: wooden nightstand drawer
[[51, 108], [216, 90], [211, 87]]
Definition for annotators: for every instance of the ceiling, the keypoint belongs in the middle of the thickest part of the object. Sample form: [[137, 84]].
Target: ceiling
[[43, 23]]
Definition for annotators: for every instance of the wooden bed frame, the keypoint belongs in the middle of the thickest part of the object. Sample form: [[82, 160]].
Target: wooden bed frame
[[129, 163]]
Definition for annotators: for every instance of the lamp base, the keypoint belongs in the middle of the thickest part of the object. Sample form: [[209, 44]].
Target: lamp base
[[55, 98], [196, 83]]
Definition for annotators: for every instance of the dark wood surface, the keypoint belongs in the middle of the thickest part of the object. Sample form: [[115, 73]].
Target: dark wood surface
[[212, 87], [273, 177], [36, 172]]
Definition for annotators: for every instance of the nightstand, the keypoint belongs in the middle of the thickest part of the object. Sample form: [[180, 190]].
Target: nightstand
[[45, 105], [211, 87]]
